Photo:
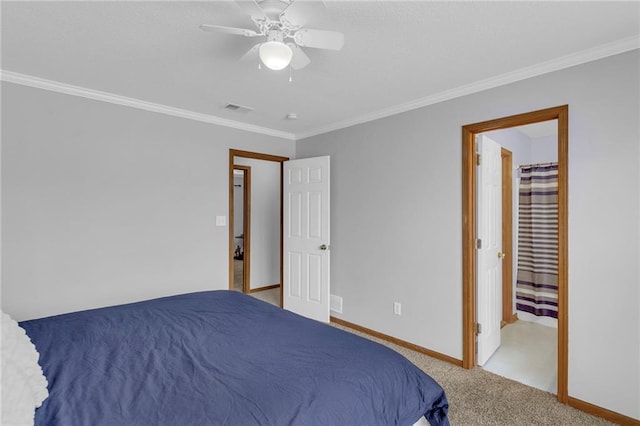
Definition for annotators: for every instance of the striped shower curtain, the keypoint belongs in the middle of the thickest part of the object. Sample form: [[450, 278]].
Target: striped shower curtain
[[537, 279]]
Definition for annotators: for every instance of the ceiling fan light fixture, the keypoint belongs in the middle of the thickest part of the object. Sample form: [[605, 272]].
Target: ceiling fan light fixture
[[275, 55]]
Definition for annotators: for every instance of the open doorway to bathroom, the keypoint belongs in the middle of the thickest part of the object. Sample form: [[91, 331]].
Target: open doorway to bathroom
[[470, 236], [528, 350]]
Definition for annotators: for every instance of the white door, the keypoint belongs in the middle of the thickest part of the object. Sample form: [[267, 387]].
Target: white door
[[306, 237], [489, 251]]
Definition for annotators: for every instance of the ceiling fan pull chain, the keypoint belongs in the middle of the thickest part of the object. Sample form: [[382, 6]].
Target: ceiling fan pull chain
[[290, 73]]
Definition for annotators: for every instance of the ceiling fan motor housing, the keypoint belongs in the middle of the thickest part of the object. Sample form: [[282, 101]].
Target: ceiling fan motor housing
[[275, 35]]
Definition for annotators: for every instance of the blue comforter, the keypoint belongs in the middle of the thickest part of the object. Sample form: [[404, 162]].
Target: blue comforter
[[221, 358]]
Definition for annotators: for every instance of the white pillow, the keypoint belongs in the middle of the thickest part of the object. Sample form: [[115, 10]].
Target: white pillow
[[23, 386]]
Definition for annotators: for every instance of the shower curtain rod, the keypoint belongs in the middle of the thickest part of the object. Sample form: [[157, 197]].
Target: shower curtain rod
[[552, 163]]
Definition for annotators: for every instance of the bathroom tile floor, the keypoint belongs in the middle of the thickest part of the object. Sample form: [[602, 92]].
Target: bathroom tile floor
[[527, 354]]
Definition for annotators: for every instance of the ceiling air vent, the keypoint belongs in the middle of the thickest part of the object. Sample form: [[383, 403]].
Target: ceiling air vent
[[237, 108]]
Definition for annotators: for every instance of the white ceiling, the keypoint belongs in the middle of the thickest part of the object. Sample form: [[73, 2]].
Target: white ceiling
[[397, 55]]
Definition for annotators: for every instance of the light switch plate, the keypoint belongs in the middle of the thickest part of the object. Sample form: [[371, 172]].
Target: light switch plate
[[221, 221], [397, 308]]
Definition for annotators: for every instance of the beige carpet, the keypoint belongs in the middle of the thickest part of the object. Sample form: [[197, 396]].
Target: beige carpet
[[477, 397], [270, 296]]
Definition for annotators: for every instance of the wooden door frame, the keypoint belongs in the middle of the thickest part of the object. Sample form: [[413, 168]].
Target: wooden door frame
[[560, 113], [246, 225], [256, 156], [507, 237]]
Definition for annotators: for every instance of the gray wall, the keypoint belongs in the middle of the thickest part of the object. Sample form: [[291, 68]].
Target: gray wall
[[544, 149], [104, 204], [396, 220]]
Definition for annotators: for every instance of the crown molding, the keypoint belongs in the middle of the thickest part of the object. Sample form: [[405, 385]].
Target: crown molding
[[598, 52], [588, 55], [55, 86]]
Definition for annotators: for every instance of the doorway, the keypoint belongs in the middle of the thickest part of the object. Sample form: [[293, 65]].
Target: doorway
[[469, 231], [262, 242], [527, 349]]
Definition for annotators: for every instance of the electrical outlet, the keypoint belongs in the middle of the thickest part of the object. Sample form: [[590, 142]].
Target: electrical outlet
[[397, 308]]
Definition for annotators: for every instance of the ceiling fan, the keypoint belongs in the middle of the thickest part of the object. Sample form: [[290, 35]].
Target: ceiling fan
[[281, 25]]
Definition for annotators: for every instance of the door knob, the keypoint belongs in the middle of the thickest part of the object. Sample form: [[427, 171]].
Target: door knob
[[324, 247], [501, 255]]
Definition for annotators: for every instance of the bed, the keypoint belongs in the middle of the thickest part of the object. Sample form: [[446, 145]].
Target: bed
[[222, 358]]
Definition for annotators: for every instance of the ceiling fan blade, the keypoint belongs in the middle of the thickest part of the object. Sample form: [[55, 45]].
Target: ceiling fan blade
[[229, 30], [299, 11], [319, 39], [299, 59], [251, 8], [252, 54]]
